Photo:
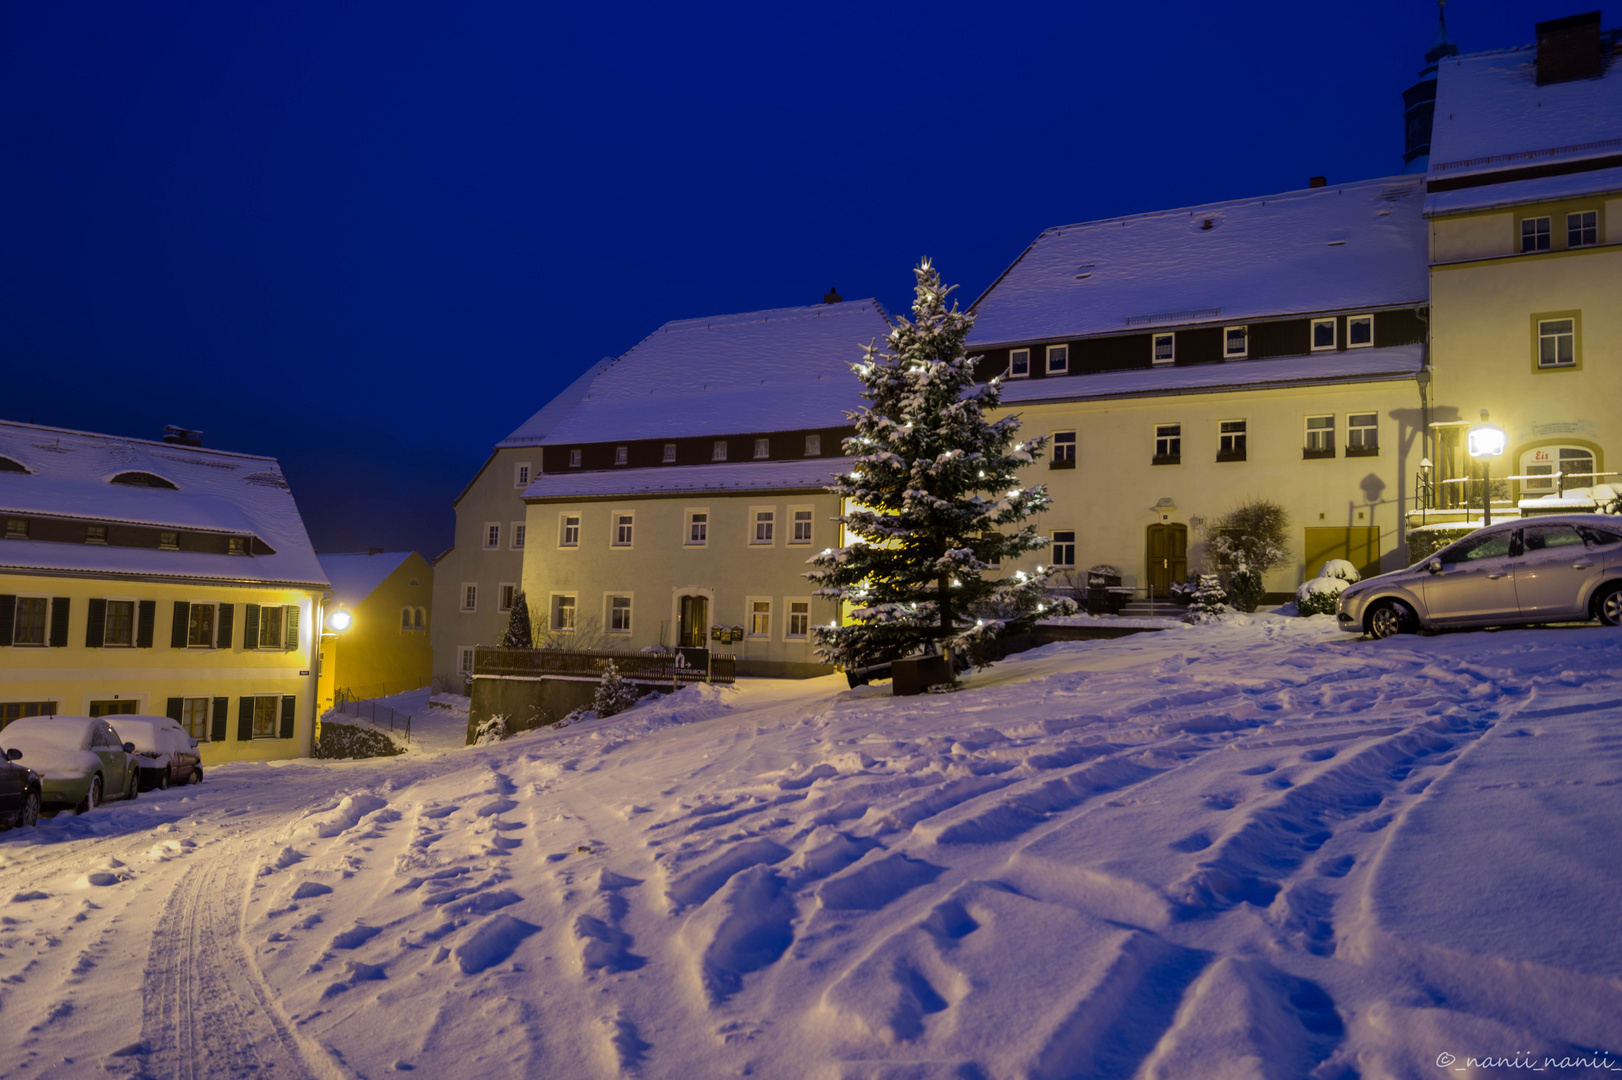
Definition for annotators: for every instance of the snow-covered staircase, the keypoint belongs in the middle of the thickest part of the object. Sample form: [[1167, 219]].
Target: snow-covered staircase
[[1158, 608]]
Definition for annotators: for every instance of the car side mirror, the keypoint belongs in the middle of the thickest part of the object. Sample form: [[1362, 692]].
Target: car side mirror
[[13, 754], [1434, 566], [129, 748]]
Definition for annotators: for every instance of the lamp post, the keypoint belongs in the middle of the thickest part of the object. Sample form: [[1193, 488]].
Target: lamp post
[[1486, 443], [1424, 488]]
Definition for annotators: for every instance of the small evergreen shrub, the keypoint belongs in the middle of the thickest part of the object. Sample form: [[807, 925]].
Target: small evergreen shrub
[[614, 694], [493, 730], [1207, 602], [518, 635], [1245, 589]]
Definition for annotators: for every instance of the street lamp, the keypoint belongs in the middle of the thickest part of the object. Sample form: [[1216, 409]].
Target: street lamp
[[1486, 443], [1424, 488]]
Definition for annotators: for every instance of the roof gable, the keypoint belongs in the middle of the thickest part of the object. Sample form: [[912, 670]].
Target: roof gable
[[355, 577]]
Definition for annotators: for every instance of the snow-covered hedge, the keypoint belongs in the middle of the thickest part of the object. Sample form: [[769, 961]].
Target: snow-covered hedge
[[1427, 540], [1321, 595], [350, 737]]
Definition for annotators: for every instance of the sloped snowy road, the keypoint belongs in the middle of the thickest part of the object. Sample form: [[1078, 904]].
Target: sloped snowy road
[[1258, 850]]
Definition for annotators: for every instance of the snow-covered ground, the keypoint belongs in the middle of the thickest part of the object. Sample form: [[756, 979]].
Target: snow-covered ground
[[1256, 849]]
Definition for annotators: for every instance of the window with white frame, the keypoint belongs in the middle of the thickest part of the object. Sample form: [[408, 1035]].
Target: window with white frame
[[800, 519], [1019, 363], [622, 529], [799, 618], [1064, 547], [813, 446], [470, 596], [1534, 234], [670, 453], [760, 618], [1359, 331], [1058, 359], [765, 527], [521, 474], [194, 717], [622, 455], [504, 595], [575, 457], [270, 626], [267, 710], [1165, 348], [1064, 450], [200, 621], [517, 531], [1582, 228], [1362, 434], [763, 449], [619, 614], [1320, 439], [28, 620], [719, 451], [464, 659], [1168, 443], [1557, 343], [569, 530], [492, 535], [1235, 342], [1323, 334], [1231, 440], [698, 528], [563, 611]]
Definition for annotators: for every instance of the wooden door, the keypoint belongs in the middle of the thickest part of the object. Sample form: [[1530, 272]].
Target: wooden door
[[694, 622], [1167, 557]]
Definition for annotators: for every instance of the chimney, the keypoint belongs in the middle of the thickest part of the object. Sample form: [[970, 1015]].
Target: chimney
[[833, 296], [374, 551], [182, 436], [1568, 48], [1318, 181]]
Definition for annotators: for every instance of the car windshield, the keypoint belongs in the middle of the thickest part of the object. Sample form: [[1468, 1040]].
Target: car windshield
[[1475, 548]]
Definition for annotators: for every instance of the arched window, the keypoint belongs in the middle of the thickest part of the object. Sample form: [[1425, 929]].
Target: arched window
[[421, 618], [405, 618], [1574, 463], [143, 479]]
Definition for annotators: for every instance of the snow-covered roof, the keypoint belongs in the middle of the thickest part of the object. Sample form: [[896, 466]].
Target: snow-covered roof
[[1491, 114], [1352, 365], [689, 479], [537, 427], [354, 577], [1345, 247], [1518, 192], [779, 370], [69, 475]]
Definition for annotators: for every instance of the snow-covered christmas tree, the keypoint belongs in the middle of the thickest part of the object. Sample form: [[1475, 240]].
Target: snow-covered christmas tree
[[614, 694], [518, 631], [932, 486]]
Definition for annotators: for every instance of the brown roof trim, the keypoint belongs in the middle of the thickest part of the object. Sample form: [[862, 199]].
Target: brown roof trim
[[1527, 172]]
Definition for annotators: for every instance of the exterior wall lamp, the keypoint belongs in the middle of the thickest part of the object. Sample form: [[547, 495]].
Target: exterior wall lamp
[[1487, 441], [339, 620]]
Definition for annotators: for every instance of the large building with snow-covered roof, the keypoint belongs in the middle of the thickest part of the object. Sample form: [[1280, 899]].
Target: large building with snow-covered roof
[[1188, 360], [157, 577], [1524, 207]]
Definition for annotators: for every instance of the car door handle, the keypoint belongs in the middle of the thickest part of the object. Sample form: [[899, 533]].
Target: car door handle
[[1581, 565], [1494, 577]]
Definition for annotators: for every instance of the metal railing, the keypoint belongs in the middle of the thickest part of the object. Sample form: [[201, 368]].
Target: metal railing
[[367, 710], [494, 662], [385, 689]]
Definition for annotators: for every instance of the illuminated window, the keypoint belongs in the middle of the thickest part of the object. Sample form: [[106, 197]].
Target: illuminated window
[[1019, 363], [1165, 348]]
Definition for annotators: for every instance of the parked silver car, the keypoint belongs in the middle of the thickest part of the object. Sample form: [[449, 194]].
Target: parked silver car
[[1558, 568]]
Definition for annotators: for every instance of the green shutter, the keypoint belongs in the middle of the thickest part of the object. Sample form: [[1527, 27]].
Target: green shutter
[[60, 606], [226, 624], [245, 719], [250, 627], [96, 628], [177, 633], [8, 617], [146, 618], [292, 629], [287, 716], [177, 710], [222, 719]]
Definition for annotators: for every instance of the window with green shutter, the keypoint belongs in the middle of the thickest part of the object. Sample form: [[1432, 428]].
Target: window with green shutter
[[60, 607], [146, 621], [245, 719], [222, 719], [250, 627], [288, 715], [177, 632], [96, 626], [8, 612], [227, 625], [292, 631]]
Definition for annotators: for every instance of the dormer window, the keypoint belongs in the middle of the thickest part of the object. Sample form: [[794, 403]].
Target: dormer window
[[670, 453], [169, 541], [1058, 359], [1019, 363], [143, 479], [763, 449], [1359, 331], [8, 465], [622, 455], [1323, 334], [720, 451], [1165, 348], [95, 534], [16, 528], [574, 458], [813, 446], [1235, 342], [237, 545]]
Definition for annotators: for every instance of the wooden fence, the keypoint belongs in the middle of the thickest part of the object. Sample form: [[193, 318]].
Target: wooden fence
[[653, 668]]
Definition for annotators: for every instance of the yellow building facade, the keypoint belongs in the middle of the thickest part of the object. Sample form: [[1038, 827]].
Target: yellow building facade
[[384, 600], [147, 577]]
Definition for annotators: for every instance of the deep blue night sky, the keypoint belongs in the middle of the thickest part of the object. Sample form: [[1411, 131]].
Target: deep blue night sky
[[370, 239]]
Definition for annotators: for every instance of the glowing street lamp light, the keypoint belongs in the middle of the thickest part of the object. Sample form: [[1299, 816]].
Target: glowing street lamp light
[[339, 620], [1486, 443]]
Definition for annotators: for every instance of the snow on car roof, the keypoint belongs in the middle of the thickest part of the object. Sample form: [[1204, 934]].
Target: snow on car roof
[[1338, 248], [1489, 105], [69, 473], [778, 370], [48, 733], [809, 474], [353, 577]]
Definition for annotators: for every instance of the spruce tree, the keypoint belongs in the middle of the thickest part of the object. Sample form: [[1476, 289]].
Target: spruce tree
[[614, 694], [518, 632], [932, 485]]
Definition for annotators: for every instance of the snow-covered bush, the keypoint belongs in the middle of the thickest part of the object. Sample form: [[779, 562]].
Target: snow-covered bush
[[1245, 543], [572, 717], [349, 737], [1207, 601], [493, 730], [1321, 595], [1245, 588], [614, 694]]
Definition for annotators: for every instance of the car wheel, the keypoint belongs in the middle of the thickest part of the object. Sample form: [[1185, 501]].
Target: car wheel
[[1608, 605], [28, 816], [1390, 618], [196, 776], [134, 787], [92, 798], [163, 779]]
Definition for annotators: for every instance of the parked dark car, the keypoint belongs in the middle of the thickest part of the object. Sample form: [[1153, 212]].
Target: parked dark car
[[1554, 568], [19, 791], [168, 755]]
